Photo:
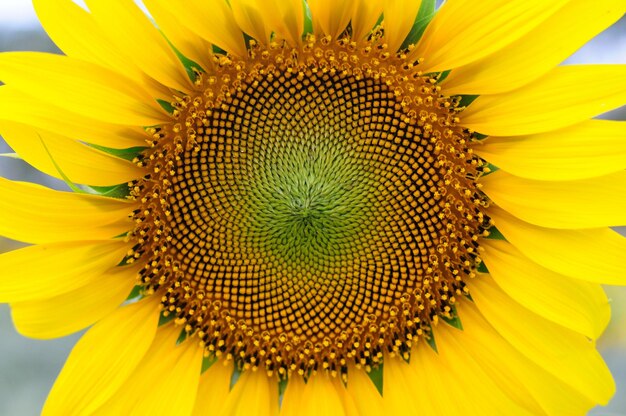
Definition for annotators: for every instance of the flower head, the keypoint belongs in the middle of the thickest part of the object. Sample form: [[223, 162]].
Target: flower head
[[318, 207]]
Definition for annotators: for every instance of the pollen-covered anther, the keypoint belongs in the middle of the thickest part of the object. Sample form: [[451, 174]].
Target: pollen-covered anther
[[310, 208]]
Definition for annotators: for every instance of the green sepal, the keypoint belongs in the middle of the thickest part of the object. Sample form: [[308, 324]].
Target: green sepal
[[376, 375], [247, 39], [120, 191], [379, 21], [478, 136], [182, 337], [165, 319], [135, 294], [492, 168], [482, 268], [308, 20], [495, 234], [282, 386], [63, 176], [443, 75], [207, 362], [455, 321], [424, 16], [126, 154], [166, 105], [234, 378], [191, 67], [430, 339], [466, 100], [218, 51]]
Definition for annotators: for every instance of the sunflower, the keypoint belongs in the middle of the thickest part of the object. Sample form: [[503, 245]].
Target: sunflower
[[318, 208]]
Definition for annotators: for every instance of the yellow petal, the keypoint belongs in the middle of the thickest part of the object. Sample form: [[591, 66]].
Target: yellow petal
[[284, 17], [367, 400], [580, 306], [74, 310], [83, 39], [291, 404], [254, 394], [122, 20], [81, 87], [537, 52], [188, 43], [213, 388], [399, 18], [347, 401], [248, 17], [173, 372], [34, 214], [398, 385], [366, 14], [21, 108], [566, 95], [318, 386], [78, 162], [430, 374], [588, 149], [438, 374], [213, 21], [462, 32], [513, 372], [103, 359], [585, 203], [570, 357], [44, 271], [595, 255], [331, 17]]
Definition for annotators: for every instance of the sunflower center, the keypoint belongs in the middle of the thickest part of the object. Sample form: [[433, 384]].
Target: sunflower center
[[310, 208]]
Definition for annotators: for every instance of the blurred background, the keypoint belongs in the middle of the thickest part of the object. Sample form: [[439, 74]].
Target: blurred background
[[29, 367]]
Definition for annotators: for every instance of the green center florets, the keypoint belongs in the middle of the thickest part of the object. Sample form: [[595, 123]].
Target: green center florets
[[312, 206]]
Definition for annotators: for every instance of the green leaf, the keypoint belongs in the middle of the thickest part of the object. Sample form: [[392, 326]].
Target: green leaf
[[376, 375], [126, 154], [424, 16], [482, 268], [455, 321]]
